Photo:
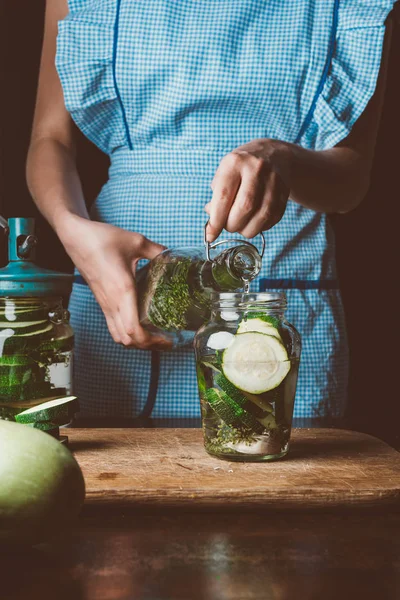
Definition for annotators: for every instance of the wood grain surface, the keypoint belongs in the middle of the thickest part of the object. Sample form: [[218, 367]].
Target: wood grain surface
[[169, 467]]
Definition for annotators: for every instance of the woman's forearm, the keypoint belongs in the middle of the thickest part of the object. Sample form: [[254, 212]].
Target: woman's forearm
[[336, 180], [328, 181], [54, 183]]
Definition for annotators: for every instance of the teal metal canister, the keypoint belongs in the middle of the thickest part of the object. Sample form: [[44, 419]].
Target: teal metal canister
[[21, 277]]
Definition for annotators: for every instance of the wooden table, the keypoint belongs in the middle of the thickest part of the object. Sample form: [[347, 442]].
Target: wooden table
[[169, 467], [119, 551]]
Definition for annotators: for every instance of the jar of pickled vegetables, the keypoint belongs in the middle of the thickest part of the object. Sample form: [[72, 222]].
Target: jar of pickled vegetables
[[247, 359], [36, 340]]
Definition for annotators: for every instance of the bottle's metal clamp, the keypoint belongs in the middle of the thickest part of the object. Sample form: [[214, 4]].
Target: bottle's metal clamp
[[209, 246]]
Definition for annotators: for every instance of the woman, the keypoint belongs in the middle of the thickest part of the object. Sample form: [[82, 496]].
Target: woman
[[276, 103]]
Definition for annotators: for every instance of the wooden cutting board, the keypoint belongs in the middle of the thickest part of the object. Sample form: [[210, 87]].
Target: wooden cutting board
[[169, 467]]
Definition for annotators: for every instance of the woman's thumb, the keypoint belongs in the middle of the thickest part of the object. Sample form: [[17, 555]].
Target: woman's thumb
[[149, 249]]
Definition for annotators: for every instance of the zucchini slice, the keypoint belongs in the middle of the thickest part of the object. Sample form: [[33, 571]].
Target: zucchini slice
[[59, 411], [225, 411], [16, 376], [26, 329], [255, 362], [29, 391], [21, 327], [263, 317], [259, 325], [16, 360], [10, 314], [230, 412], [48, 427], [60, 344], [15, 342], [238, 396]]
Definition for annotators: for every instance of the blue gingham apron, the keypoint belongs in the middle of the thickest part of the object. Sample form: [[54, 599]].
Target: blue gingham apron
[[167, 88]]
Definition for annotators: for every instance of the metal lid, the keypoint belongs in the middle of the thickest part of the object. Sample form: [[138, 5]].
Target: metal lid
[[21, 277]]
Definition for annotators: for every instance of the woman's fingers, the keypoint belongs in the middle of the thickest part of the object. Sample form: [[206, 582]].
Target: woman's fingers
[[271, 210], [124, 339], [248, 198], [225, 186], [109, 272], [238, 192], [145, 248], [119, 305], [112, 328], [133, 334]]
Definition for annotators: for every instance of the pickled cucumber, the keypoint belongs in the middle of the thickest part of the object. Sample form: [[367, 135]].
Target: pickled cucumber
[[255, 362], [259, 325], [238, 396], [230, 412], [30, 391]]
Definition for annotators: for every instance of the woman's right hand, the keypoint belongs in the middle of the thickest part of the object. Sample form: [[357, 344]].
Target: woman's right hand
[[107, 256]]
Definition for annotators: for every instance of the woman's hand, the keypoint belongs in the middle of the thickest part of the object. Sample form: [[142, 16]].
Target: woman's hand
[[250, 189], [107, 256]]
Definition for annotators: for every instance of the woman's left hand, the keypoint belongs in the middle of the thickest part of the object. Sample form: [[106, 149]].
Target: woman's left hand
[[250, 189]]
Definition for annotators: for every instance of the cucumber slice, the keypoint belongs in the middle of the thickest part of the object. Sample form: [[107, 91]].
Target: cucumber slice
[[23, 326], [26, 329], [238, 396], [12, 341], [47, 426], [16, 360], [14, 313], [255, 362], [201, 381], [16, 376], [224, 410], [30, 391], [218, 358], [211, 365], [230, 412], [59, 411], [18, 372], [258, 325], [273, 321], [61, 344], [220, 340]]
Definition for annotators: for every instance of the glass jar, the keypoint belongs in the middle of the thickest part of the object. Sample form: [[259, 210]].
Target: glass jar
[[174, 288], [36, 345], [36, 340], [247, 359]]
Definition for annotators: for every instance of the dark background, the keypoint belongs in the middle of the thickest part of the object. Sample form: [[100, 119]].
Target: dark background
[[367, 238]]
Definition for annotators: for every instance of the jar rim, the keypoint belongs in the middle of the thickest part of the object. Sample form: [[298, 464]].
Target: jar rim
[[249, 301], [244, 297]]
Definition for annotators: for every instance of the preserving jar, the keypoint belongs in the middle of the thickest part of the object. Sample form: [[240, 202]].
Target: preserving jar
[[36, 339], [247, 358]]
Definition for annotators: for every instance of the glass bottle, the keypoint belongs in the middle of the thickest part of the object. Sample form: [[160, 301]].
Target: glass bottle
[[247, 359], [174, 288], [36, 340]]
